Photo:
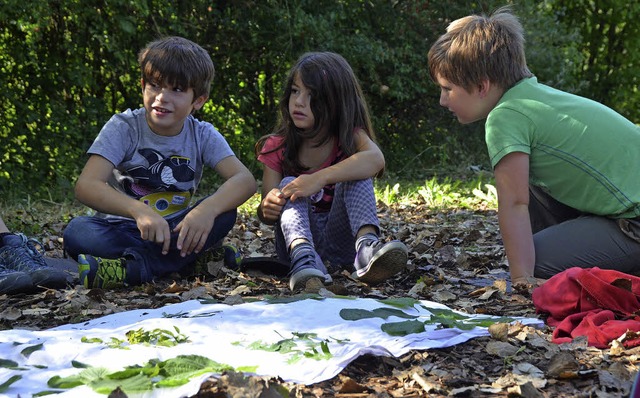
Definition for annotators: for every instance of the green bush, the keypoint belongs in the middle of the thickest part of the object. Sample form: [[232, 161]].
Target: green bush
[[68, 65]]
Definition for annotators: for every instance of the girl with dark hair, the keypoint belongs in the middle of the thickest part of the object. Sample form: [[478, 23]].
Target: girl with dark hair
[[317, 186]]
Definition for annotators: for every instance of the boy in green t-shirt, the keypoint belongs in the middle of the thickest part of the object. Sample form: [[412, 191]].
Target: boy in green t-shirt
[[565, 166]]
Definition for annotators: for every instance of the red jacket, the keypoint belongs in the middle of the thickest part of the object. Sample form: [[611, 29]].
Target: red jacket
[[600, 304]]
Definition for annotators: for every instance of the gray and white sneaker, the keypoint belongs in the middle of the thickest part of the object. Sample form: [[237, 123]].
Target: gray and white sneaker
[[377, 261], [306, 266]]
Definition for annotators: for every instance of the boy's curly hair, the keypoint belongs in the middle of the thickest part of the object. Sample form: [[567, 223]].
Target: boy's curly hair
[[179, 62], [479, 47]]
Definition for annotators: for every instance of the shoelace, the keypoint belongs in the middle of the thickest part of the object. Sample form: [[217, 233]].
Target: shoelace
[[35, 248], [23, 257]]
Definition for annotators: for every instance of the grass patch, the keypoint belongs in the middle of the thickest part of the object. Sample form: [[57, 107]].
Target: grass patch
[[440, 193]]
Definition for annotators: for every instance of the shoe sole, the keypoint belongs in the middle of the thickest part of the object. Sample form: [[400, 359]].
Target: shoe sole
[[386, 263], [49, 278], [15, 283], [300, 278]]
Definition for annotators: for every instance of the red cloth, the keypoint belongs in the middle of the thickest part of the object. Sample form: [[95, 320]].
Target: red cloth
[[600, 304]]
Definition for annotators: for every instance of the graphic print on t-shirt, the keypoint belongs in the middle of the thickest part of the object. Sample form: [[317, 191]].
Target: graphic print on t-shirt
[[159, 184]]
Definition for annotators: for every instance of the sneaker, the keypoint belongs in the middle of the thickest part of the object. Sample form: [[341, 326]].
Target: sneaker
[[23, 254], [227, 255], [308, 266], [97, 272], [14, 282], [377, 261]]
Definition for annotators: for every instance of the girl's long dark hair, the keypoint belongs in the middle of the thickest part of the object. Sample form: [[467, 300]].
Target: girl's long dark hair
[[337, 103]]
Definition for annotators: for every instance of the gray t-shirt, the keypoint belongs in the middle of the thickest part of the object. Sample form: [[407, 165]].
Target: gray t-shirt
[[163, 172]]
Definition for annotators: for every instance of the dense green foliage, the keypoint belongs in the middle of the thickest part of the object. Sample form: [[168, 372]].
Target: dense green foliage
[[68, 65]]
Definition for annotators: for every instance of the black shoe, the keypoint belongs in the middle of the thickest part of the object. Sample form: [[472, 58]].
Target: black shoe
[[14, 282]]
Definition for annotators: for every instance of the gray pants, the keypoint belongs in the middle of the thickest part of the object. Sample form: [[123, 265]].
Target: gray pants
[[565, 238], [332, 233]]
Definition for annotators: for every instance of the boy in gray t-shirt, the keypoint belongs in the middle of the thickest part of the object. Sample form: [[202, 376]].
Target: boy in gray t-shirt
[[143, 171]]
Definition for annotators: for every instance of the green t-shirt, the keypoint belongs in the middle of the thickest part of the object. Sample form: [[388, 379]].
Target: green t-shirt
[[581, 152]]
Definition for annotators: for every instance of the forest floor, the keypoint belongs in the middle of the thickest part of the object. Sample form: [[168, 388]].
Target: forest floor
[[456, 258]]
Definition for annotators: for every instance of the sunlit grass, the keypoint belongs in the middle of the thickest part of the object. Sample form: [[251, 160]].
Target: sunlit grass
[[440, 193]]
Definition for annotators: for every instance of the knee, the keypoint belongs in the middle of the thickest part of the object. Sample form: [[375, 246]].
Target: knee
[[72, 235], [227, 219]]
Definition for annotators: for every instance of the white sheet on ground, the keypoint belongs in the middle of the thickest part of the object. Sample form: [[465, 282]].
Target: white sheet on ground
[[223, 333]]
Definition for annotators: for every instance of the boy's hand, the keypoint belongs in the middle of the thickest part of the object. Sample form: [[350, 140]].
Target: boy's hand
[[303, 186], [153, 227], [193, 231], [527, 281], [272, 205]]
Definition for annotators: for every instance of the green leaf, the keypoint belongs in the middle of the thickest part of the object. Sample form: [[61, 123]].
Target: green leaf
[[5, 386], [282, 346], [93, 340], [135, 383], [355, 314], [87, 376], [80, 365], [170, 373], [450, 319], [247, 369], [400, 302], [403, 328], [31, 349], [7, 363], [180, 370], [293, 299], [131, 371]]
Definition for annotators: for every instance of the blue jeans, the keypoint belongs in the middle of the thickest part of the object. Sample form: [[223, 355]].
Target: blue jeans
[[117, 238]]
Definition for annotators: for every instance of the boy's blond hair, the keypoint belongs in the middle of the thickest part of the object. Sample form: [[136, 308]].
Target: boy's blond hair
[[479, 47]]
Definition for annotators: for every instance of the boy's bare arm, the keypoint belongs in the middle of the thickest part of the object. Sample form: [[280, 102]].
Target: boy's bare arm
[[92, 190], [238, 187], [273, 200], [512, 181]]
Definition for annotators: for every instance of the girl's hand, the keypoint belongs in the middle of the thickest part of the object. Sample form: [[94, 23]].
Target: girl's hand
[[303, 186], [272, 204]]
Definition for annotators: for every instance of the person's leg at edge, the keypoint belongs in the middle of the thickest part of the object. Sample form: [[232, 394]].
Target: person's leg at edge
[[22, 264], [12, 281], [294, 242]]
